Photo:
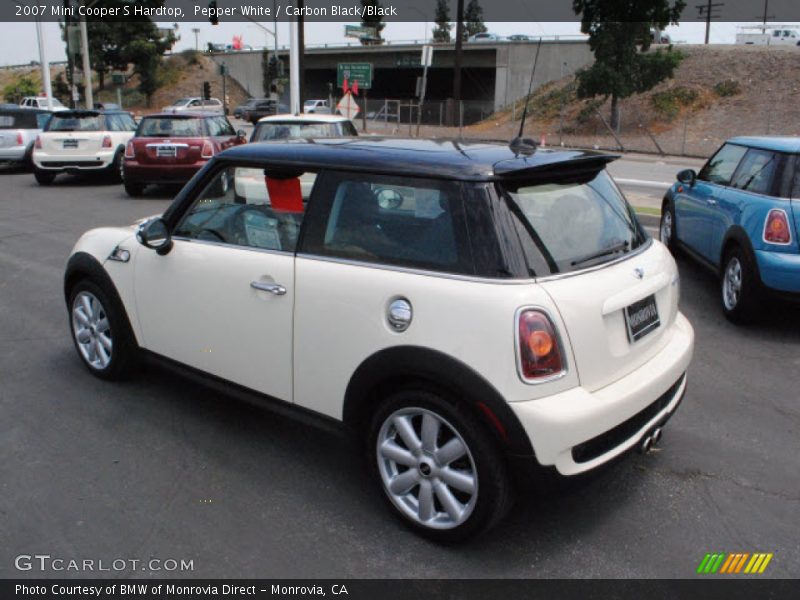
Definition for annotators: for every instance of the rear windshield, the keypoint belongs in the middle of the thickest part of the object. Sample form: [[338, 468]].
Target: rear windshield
[[170, 127], [565, 227], [276, 130], [23, 120], [75, 122]]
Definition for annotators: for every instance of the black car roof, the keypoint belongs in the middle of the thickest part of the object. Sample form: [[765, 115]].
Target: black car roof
[[14, 108], [90, 112], [440, 158]]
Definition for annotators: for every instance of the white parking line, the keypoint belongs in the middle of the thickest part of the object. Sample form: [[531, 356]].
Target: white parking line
[[662, 185]]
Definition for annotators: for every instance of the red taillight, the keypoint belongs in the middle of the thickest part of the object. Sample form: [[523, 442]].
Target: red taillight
[[776, 227], [208, 150], [38, 143], [539, 350], [107, 141], [130, 151], [20, 139]]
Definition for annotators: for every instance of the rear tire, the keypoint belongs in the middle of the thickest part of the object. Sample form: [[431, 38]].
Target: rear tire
[[44, 177], [134, 190], [739, 286], [101, 332], [437, 466], [115, 170]]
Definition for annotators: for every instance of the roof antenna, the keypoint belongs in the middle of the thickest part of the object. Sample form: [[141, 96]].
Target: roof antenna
[[519, 144]]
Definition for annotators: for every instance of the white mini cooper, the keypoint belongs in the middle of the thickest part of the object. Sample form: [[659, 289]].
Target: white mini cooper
[[462, 308]]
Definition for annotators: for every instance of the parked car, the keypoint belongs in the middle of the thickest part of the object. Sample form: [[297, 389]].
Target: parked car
[[316, 106], [106, 106], [264, 109], [18, 130], [289, 127], [82, 141], [196, 104], [468, 311], [40, 102], [171, 148], [249, 104], [519, 37], [485, 37], [740, 217]]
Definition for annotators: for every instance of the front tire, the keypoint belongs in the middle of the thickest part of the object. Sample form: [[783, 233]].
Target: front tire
[[100, 331], [43, 177], [666, 229], [739, 287], [438, 467]]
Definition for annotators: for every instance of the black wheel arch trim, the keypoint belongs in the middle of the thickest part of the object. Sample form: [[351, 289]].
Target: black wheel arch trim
[[736, 234], [83, 265], [414, 364]]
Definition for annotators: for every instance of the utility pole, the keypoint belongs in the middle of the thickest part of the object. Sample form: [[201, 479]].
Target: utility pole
[[764, 22], [294, 68], [48, 89], [87, 66], [457, 62], [301, 50], [196, 32]]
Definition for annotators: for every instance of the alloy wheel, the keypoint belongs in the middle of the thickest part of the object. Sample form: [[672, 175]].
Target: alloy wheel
[[666, 228], [427, 468], [732, 284], [92, 330]]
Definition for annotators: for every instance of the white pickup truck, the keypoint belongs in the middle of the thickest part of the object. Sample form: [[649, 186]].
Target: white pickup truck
[[770, 36]]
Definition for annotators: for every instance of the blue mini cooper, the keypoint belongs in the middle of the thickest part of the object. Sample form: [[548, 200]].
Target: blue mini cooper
[[740, 216]]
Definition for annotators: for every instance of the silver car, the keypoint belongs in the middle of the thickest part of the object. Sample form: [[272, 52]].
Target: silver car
[[195, 104], [18, 130]]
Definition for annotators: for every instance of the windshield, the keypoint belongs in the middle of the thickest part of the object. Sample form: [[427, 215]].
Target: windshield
[[74, 122], [181, 101], [278, 130], [169, 127], [22, 120], [564, 227]]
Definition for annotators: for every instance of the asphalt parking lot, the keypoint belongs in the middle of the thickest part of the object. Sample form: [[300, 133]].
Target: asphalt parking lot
[[161, 467]]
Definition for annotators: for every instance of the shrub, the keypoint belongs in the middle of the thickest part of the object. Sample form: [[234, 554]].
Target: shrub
[[19, 88], [669, 102], [727, 87]]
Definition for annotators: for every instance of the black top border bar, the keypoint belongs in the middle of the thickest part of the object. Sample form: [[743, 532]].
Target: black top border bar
[[351, 11]]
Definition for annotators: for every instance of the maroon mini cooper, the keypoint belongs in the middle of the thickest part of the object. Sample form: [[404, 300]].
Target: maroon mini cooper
[[170, 149]]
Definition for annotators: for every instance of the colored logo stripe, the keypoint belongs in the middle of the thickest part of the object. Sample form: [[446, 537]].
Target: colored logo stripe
[[721, 562]]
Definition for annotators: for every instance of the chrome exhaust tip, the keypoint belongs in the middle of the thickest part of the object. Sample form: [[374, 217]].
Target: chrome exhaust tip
[[656, 435], [646, 445]]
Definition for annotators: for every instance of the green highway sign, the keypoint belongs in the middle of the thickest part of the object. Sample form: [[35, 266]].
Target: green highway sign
[[360, 72], [357, 31], [118, 79]]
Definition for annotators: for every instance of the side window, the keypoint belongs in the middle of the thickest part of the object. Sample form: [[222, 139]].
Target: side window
[[219, 126], [113, 123], [756, 172], [251, 207], [719, 169], [390, 220]]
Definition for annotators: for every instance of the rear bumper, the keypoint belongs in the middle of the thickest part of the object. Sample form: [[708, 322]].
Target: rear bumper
[[779, 271], [13, 153], [95, 161], [578, 430], [143, 174]]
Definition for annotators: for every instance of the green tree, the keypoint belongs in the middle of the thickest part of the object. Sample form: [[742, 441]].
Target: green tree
[[375, 21], [441, 33], [18, 89], [620, 37], [114, 45], [61, 89], [473, 19]]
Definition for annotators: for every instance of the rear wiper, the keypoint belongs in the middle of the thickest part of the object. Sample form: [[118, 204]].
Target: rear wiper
[[613, 249]]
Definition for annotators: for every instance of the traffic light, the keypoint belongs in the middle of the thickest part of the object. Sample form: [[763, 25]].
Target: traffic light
[[272, 68], [206, 90], [212, 13]]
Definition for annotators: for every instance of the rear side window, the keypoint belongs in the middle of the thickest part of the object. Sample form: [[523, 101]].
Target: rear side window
[[75, 122], [720, 168], [219, 126], [20, 120], [170, 127], [120, 122], [405, 222], [756, 171]]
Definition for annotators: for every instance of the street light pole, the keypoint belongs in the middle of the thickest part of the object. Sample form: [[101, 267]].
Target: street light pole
[[294, 68], [87, 66], [196, 31], [48, 89]]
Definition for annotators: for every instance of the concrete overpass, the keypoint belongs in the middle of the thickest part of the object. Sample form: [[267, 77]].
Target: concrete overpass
[[494, 74]]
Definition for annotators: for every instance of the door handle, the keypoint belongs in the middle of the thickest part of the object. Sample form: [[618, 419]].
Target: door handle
[[272, 288]]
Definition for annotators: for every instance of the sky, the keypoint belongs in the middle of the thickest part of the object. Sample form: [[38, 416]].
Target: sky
[[20, 44]]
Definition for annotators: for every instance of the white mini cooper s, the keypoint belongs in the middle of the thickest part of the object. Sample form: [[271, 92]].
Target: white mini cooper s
[[463, 308]]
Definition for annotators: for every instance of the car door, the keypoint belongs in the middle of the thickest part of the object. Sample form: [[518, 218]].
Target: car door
[[221, 300], [696, 205]]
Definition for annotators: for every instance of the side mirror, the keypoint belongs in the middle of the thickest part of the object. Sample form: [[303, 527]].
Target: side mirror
[[240, 133], [155, 235], [687, 176]]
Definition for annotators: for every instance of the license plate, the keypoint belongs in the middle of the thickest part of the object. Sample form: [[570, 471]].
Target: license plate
[[70, 144], [641, 318], [166, 151]]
